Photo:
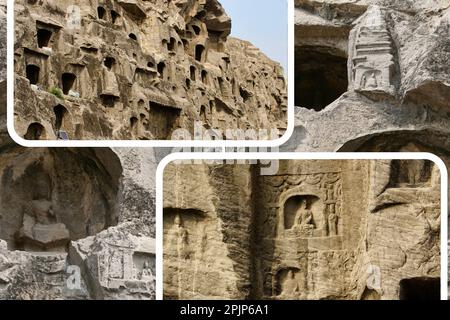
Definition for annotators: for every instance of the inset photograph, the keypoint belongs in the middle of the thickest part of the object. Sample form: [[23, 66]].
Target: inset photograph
[[150, 70], [372, 76], [302, 230]]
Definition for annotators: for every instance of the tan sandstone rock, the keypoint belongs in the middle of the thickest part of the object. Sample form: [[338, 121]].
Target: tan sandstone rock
[[138, 70], [323, 229]]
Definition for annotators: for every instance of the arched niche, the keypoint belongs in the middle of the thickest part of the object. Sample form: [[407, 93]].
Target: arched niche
[[52, 196], [62, 119], [289, 283], [301, 213], [35, 131]]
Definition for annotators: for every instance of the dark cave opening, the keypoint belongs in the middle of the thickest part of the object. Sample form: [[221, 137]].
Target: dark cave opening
[[43, 37], [33, 73], [101, 12], [424, 288], [199, 52], [114, 16], [162, 69], [60, 112], [192, 73], [320, 77], [68, 79], [35, 131], [109, 62]]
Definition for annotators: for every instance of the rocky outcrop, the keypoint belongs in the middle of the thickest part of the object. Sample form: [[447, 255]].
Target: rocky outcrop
[[384, 67], [75, 223], [324, 229], [138, 70]]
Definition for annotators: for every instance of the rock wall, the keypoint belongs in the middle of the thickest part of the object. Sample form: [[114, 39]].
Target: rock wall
[[323, 229], [75, 223], [138, 70], [385, 65]]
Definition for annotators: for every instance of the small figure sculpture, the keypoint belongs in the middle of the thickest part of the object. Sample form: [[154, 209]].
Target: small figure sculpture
[[372, 81], [147, 273], [290, 286], [332, 223], [182, 239], [303, 217]]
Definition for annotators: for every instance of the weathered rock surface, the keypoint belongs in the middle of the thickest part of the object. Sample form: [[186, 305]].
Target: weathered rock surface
[[328, 229], [369, 69], [138, 70], [74, 223], [372, 75]]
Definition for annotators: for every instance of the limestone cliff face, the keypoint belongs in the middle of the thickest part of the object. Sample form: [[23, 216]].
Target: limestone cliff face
[[315, 230], [385, 67], [138, 70], [74, 223]]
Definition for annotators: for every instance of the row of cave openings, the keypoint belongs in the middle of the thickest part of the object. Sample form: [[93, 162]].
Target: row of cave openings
[[67, 79], [61, 125], [170, 44]]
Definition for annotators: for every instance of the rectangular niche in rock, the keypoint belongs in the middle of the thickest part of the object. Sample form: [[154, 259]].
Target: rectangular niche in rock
[[311, 230]]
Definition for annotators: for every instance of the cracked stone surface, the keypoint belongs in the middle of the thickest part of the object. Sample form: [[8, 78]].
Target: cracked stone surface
[[323, 229], [138, 70]]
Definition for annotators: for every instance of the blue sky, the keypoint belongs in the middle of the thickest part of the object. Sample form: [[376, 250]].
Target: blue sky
[[263, 23]]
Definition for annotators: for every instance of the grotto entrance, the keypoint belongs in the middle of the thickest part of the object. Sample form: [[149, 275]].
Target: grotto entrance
[[68, 80], [35, 131], [43, 37], [33, 73], [320, 76], [52, 196], [423, 288]]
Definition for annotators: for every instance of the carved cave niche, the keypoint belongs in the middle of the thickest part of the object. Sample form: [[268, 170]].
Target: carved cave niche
[[109, 100], [403, 173], [200, 53], [132, 36], [301, 214], [46, 34], [289, 283], [109, 63], [294, 205], [370, 294], [35, 68], [320, 76], [162, 120], [162, 70], [134, 123], [35, 131], [52, 196], [115, 17], [420, 288], [32, 72], [68, 81], [172, 45], [192, 73], [144, 264], [410, 174], [43, 37], [62, 119], [101, 13], [205, 77]]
